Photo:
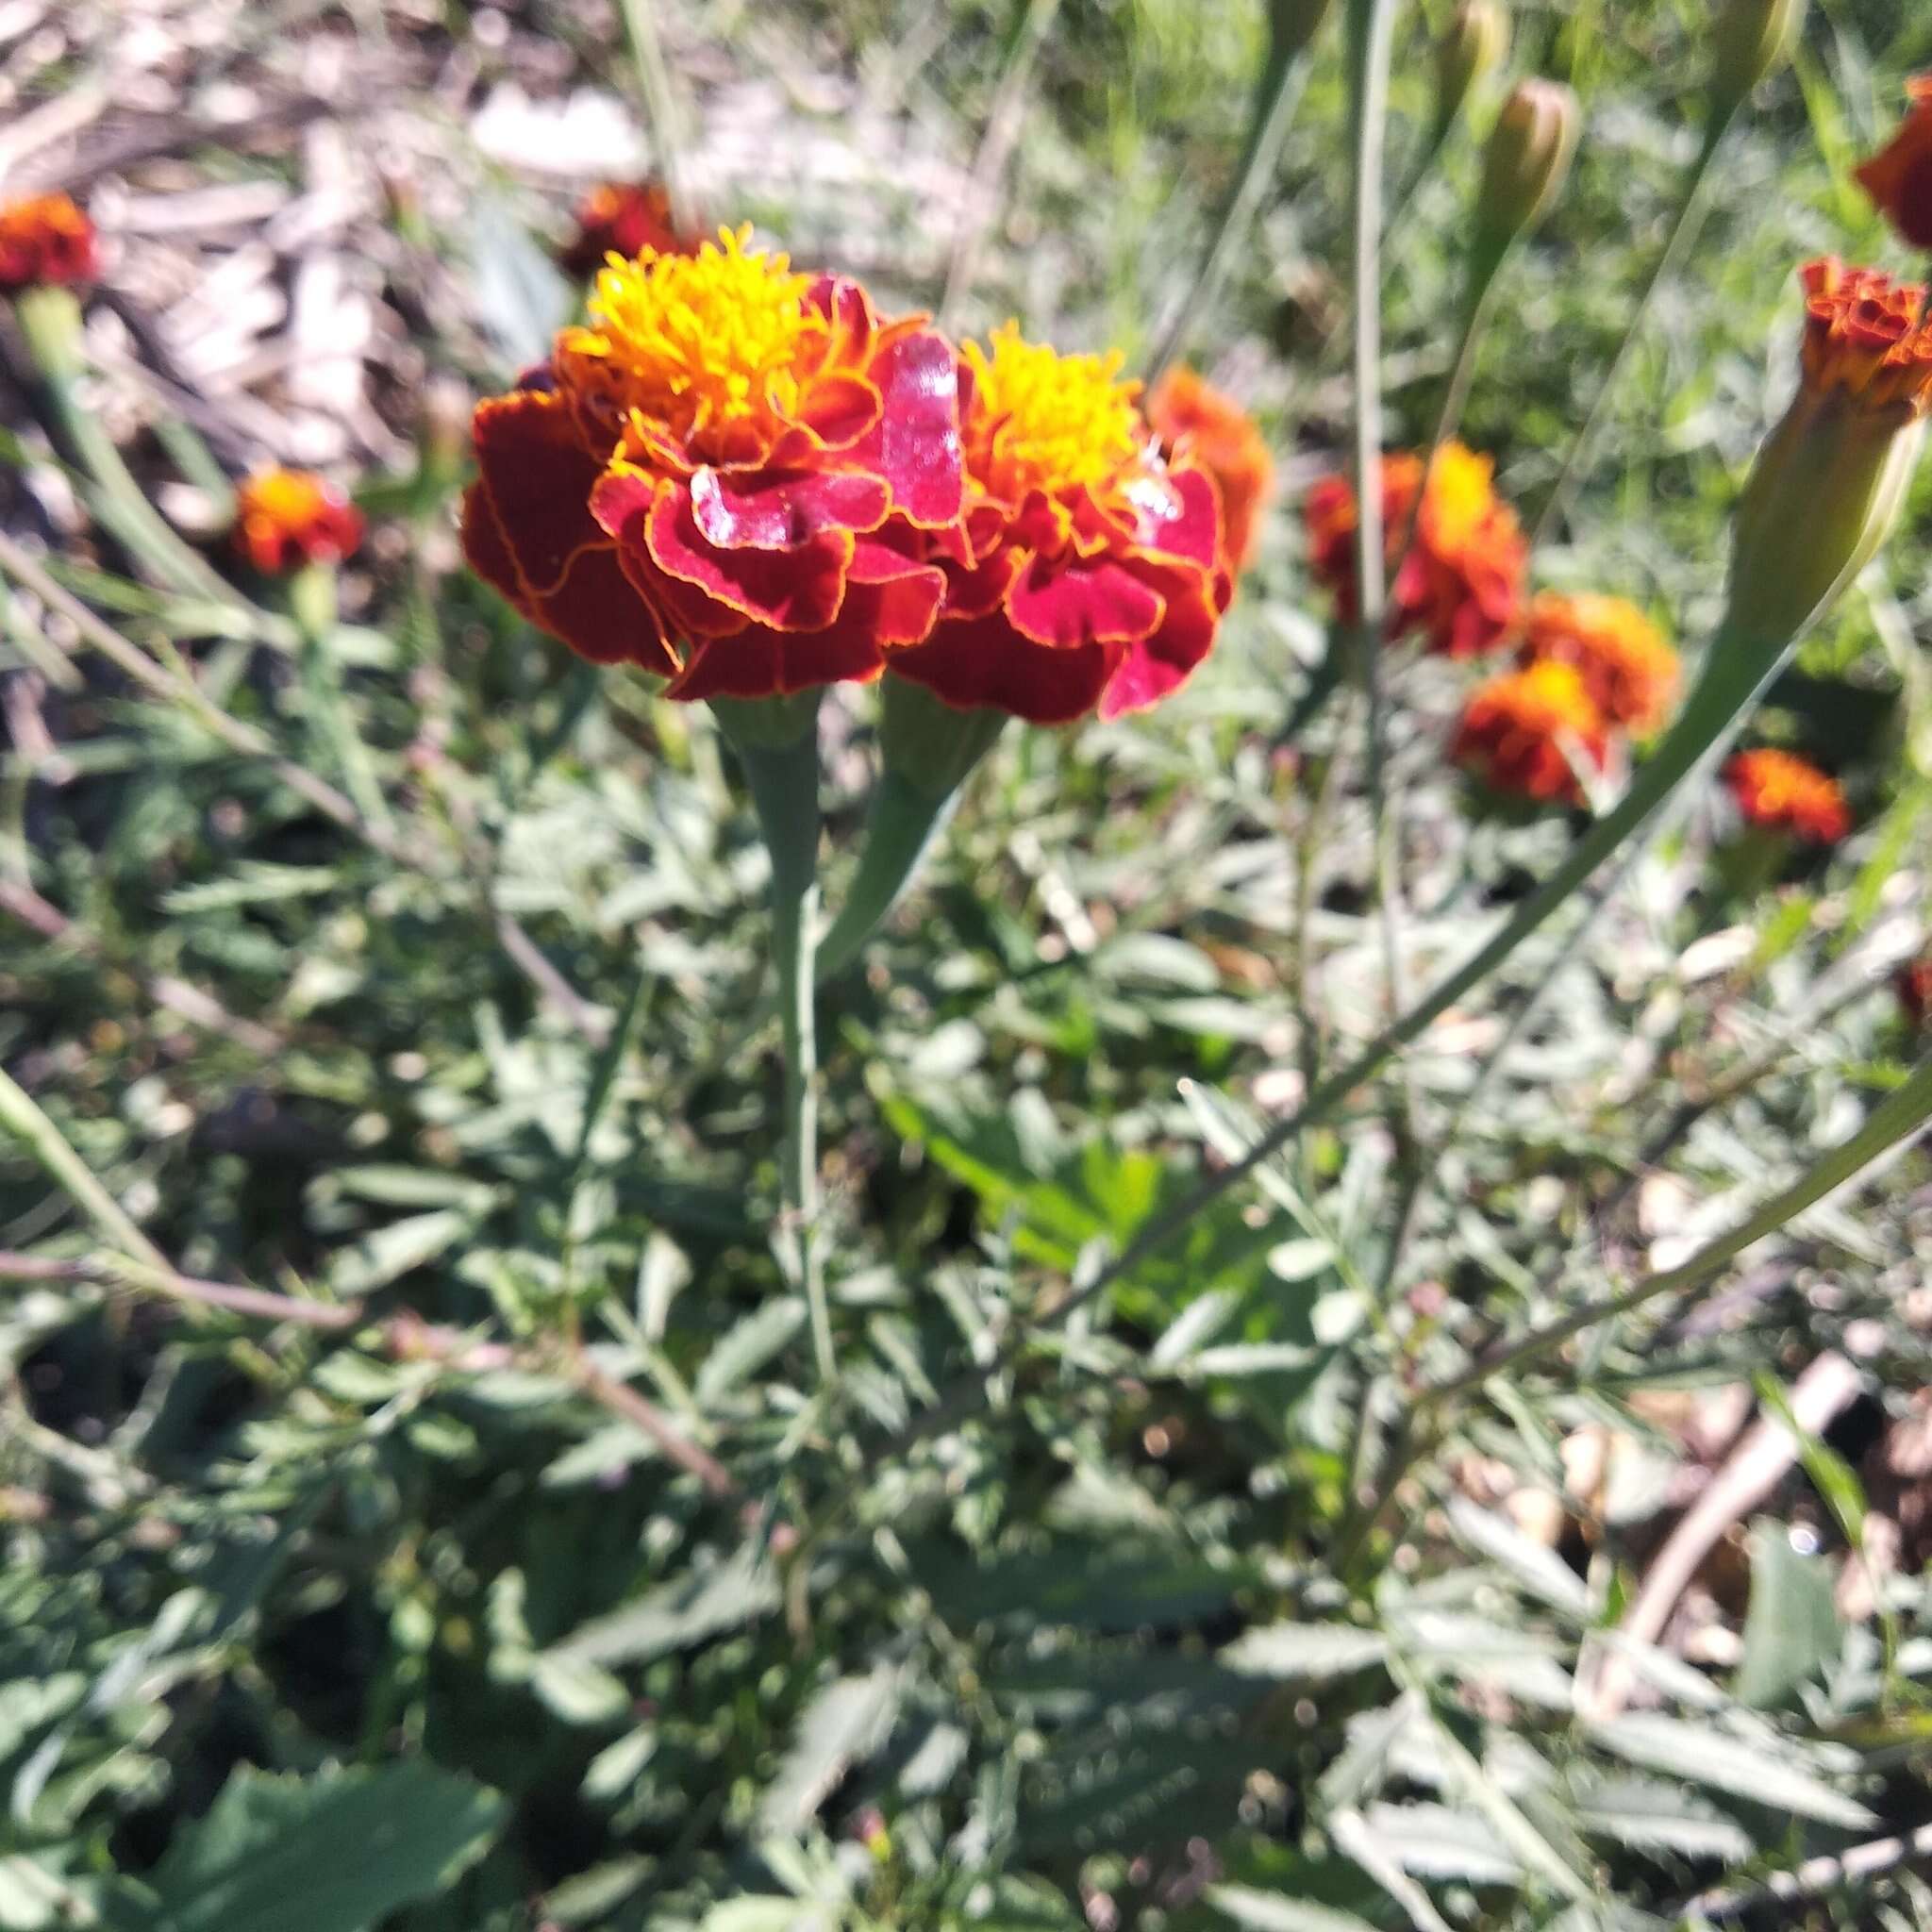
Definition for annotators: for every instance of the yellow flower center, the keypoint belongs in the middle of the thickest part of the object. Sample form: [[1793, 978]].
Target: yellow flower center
[[705, 345], [1459, 494], [285, 498], [1046, 420]]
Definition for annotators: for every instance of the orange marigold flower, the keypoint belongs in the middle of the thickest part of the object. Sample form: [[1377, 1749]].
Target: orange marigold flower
[[45, 239], [1521, 732], [287, 517], [1461, 583], [727, 477], [622, 218], [1629, 670], [1190, 415], [1914, 982], [1088, 571], [1781, 791], [1899, 177], [1863, 335]]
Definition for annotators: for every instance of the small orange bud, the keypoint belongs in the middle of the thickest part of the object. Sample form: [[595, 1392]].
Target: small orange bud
[[45, 242], [1782, 793], [1529, 158], [287, 517], [1473, 45], [1750, 38]]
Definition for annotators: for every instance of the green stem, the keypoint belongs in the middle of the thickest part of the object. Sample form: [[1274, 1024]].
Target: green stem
[[1684, 225], [776, 743], [1900, 1113], [312, 606], [1276, 96], [662, 105]]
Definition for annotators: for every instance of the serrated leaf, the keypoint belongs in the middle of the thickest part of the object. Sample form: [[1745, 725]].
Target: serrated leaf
[[1435, 1841], [1306, 1651], [334, 1853], [738, 1591], [1702, 1755], [1264, 1911], [747, 1346], [1654, 1817], [395, 1250], [847, 1722], [1537, 1569]]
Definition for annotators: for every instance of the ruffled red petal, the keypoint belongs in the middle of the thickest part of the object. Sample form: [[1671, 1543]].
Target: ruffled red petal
[[759, 663], [915, 442], [779, 512], [1179, 514], [1159, 664], [797, 589], [979, 661], [1069, 603], [621, 504]]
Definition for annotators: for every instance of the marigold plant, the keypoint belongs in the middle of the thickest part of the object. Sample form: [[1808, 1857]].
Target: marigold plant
[[287, 517], [1523, 734], [1190, 415], [1777, 791], [1630, 670], [1088, 571], [1899, 177], [622, 218], [728, 477], [46, 241], [1461, 551]]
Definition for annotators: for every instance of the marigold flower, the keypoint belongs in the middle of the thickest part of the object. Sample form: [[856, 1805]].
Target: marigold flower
[[1521, 732], [45, 240], [622, 218], [1863, 335], [287, 517], [1088, 571], [1781, 791], [1461, 583], [1631, 673], [1914, 982], [726, 477], [1192, 415], [1899, 177]]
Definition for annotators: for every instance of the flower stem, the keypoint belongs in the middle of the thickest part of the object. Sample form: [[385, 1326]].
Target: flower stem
[[662, 105], [776, 743], [1684, 225]]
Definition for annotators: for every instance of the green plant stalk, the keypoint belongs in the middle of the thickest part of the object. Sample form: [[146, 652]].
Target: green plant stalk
[[662, 105], [50, 327], [928, 750], [22, 1117], [1683, 226], [1736, 673], [996, 144], [777, 743], [1276, 96], [312, 607], [1902, 1113]]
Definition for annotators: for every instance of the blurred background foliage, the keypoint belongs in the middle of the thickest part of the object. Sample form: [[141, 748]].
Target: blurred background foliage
[[410, 1618]]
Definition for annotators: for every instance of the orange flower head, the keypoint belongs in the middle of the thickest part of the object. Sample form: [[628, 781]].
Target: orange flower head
[[1914, 982], [45, 240], [1090, 571], [1863, 336], [1783, 792], [727, 477], [287, 517], [622, 218], [1522, 733], [1461, 583], [1630, 671], [1186, 412], [1899, 177]]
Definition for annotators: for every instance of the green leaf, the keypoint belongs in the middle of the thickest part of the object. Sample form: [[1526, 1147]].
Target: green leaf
[[1263, 1911], [1792, 1629], [334, 1853], [747, 1346], [738, 1591], [1308, 1652], [1745, 1767], [847, 1722]]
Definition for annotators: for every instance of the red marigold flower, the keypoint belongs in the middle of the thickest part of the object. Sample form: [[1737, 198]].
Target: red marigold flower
[[1863, 335], [726, 477], [1193, 416], [1631, 673], [1914, 982], [1521, 733], [45, 240], [1899, 177], [622, 218], [1088, 571], [1460, 584], [287, 517], [1781, 791]]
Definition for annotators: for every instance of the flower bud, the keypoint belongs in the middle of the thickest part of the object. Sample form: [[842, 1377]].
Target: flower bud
[[1749, 40], [1473, 45], [1528, 157], [1831, 478]]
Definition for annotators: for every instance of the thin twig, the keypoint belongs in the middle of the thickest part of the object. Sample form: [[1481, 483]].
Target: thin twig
[[237, 1299]]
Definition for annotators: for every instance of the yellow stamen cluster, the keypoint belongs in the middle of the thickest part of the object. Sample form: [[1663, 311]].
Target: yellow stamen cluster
[[1462, 494], [1045, 421], [701, 345]]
